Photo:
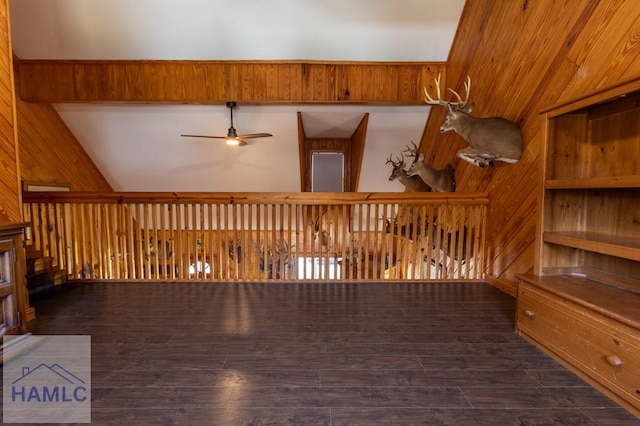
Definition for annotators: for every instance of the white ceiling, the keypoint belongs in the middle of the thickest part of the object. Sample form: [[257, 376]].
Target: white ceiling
[[139, 148]]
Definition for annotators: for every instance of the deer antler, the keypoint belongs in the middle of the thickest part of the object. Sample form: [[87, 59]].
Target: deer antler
[[428, 99], [467, 88], [399, 162], [460, 104], [412, 152]]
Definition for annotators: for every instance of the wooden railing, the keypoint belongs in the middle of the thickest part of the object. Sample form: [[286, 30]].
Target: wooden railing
[[260, 236]]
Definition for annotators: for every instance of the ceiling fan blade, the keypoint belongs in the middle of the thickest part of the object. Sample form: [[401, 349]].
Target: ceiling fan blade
[[203, 136], [232, 135], [254, 135]]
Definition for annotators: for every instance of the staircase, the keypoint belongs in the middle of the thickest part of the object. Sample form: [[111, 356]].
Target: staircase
[[42, 275]]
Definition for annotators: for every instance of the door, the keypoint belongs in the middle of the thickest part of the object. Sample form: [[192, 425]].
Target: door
[[9, 320]]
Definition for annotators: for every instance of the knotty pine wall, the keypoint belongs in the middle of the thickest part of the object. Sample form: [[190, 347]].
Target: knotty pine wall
[[523, 56], [218, 81], [49, 151], [10, 202]]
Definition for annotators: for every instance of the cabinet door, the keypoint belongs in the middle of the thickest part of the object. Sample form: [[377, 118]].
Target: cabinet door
[[9, 323]]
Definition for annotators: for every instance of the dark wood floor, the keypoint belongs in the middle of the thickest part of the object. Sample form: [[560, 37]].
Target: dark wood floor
[[316, 354]]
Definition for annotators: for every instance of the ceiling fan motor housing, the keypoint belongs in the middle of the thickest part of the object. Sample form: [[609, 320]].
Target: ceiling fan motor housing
[[232, 137]]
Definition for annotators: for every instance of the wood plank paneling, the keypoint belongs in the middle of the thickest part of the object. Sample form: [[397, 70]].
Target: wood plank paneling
[[10, 203], [50, 153], [219, 81], [523, 57]]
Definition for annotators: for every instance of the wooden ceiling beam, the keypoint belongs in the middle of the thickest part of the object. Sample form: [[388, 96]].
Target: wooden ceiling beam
[[213, 82]]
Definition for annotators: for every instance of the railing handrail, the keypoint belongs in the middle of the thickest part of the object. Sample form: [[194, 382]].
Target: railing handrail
[[224, 236], [299, 198]]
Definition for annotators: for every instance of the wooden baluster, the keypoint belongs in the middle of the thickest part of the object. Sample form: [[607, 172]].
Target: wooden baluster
[[192, 250], [207, 239], [266, 244], [367, 249], [397, 242], [221, 251], [253, 245], [283, 244], [324, 236], [291, 258], [233, 243], [128, 235], [183, 241], [111, 234], [345, 233], [376, 242]]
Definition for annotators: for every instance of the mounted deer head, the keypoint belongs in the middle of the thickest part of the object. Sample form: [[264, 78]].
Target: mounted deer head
[[158, 251], [276, 257], [320, 234], [235, 249], [439, 180], [411, 183], [490, 139]]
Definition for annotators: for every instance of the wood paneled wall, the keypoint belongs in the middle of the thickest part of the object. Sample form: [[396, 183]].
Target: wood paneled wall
[[10, 202], [523, 56], [219, 81], [50, 153]]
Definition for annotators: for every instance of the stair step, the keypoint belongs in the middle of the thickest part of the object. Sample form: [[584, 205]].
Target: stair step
[[38, 266], [60, 277], [38, 280], [31, 252]]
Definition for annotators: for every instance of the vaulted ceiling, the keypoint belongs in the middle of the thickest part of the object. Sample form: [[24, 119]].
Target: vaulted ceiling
[[138, 146]]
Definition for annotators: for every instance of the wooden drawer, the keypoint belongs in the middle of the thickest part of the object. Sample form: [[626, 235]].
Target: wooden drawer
[[602, 348]]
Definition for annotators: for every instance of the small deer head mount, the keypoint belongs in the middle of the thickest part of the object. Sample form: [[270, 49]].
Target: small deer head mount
[[398, 167], [276, 257], [235, 250], [321, 235], [411, 183], [159, 250], [490, 139], [442, 180]]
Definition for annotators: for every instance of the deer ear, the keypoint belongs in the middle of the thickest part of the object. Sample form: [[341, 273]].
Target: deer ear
[[421, 157], [449, 107], [469, 108]]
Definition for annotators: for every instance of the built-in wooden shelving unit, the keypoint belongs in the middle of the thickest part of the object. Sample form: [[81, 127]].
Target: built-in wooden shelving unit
[[582, 303]]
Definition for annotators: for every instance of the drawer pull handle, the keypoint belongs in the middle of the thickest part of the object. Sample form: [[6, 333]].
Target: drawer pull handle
[[529, 314], [614, 361]]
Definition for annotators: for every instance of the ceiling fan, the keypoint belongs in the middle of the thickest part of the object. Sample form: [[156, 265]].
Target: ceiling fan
[[233, 138]]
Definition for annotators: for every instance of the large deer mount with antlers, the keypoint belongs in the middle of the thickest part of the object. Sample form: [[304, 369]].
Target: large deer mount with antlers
[[490, 139]]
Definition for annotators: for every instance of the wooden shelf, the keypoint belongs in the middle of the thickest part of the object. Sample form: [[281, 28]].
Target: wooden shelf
[[619, 304], [632, 181], [626, 248], [582, 303], [589, 100]]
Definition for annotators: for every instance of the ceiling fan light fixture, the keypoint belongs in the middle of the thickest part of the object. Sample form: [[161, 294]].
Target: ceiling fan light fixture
[[232, 135], [235, 142], [233, 138]]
